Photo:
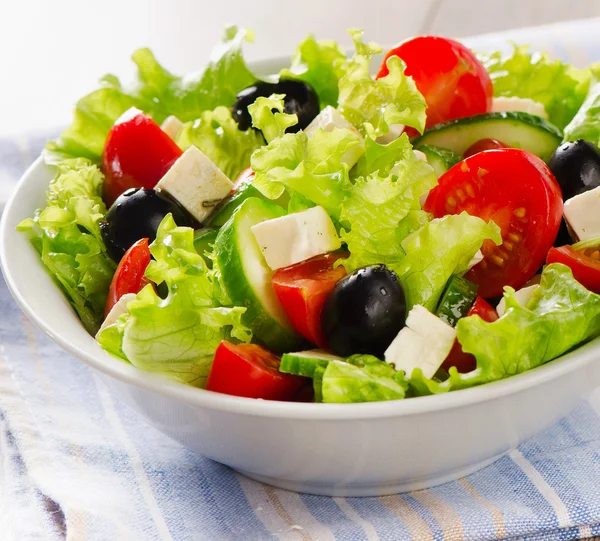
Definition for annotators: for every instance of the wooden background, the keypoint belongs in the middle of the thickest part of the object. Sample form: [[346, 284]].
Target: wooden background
[[51, 52]]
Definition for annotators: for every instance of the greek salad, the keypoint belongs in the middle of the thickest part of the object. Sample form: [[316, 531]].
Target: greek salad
[[323, 234]]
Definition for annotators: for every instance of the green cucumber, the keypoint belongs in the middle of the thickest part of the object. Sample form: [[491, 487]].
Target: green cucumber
[[311, 364], [247, 278], [457, 300], [516, 130], [228, 206], [441, 159], [204, 239]]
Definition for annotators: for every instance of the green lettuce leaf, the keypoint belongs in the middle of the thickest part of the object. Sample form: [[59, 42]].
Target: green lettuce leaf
[[268, 116], [362, 378], [443, 247], [67, 235], [157, 92], [561, 315], [393, 99], [176, 336], [321, 64], [216, 134], [586, 123], [561, 88], [376, 206]]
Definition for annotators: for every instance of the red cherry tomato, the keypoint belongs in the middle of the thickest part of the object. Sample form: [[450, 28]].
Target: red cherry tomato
[[585, 264], [302, 290], [518, 192], [137, 154], [129, 276], [247, 175], [252, 371], [453, 82], [483, 144], [465, 362]]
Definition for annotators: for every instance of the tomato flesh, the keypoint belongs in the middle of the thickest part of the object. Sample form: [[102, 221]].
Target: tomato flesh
[[129, 276], [137, 154], [518, 192], [453, 82], [465, 362], [244, 177], [252, 371], [484, 144], [302, 290], [585, 264]]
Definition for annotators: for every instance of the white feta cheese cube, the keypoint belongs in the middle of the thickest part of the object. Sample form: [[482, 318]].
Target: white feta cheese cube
[[476, 259], [420, 155], [523, 296], [296, 237], [522, 105], [329, 119], [395, 132], [172, 126], [582, 213], [117, 310], [424, 343], [196, 182]]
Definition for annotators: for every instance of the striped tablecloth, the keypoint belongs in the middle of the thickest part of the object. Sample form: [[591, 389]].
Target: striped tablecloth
[[77, 465]]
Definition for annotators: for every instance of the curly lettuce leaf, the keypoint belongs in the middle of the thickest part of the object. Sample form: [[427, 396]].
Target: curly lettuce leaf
[[586, 123], [561, 315], [361, 378], [67, 235], [376, 205], [374, 105], [216, 134], [321, 64], [156, 92], [269, 117], [443, 247], [176, 336], [561, 88]]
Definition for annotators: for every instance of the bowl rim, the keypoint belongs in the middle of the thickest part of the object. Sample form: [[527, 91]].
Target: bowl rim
[[126, 373]]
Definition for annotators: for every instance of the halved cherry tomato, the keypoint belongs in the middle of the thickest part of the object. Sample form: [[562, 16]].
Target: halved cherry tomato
[[465, 362], [302, 290], [129, 276], [585, 264], [137, 154], [518, 192], [453, 82], [252, 371], [483, 144]]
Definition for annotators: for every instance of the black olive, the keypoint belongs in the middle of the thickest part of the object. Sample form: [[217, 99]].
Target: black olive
[[300, 99], [136, 214], [576, 167], [364, 312], [563, 237]]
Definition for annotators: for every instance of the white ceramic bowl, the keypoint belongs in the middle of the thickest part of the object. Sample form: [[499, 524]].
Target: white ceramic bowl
[[333, 449]]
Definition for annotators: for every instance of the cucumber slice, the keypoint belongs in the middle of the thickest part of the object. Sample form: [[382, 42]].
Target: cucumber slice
[[311, 364], [440, 159], [247, 278], [457, 300], [229, 205], [204, 240], [517, 130]]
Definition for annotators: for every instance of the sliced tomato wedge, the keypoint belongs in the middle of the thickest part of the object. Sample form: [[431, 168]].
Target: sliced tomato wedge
[[129, 276], [302, 290], [465, 362], [252, 371], [585, 264], [453, 82], [137, 154], [518, 192], [483, 144]]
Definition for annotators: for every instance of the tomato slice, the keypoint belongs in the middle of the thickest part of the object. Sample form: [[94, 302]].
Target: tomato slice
[[129, 276], [453, 82], [137, 154], [484, 144], [518, 192], [252, 371], [585, 264], [302, 290], [465, 362]]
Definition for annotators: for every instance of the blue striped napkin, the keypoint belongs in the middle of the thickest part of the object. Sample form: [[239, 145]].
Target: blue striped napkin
[[77, 465]]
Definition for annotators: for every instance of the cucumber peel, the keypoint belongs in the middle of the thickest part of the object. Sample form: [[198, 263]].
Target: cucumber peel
[[457, 300]]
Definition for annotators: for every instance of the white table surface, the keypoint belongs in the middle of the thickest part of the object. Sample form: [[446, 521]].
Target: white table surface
[[53, 51]]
